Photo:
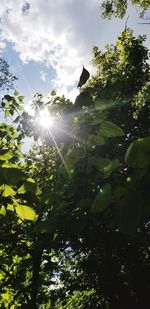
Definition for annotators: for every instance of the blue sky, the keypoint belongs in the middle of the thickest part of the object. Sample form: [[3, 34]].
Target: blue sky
[[46, 42]]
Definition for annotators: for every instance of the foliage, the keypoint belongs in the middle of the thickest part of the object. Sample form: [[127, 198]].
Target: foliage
[[75, 209], [118, 8], [77, 300], [6, 78]]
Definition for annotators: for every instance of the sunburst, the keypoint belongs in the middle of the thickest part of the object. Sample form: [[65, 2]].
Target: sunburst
[[45, 119]]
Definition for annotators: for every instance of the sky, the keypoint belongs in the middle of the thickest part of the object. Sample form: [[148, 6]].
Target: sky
[[46, 42]]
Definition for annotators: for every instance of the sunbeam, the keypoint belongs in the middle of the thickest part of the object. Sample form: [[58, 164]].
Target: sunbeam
[[59, 152]]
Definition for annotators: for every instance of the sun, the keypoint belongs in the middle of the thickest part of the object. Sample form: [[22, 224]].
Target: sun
[[45, 119]]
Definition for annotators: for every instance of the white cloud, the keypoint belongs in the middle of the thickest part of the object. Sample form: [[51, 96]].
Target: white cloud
[[2, 46], [57, 33], [43, 76]]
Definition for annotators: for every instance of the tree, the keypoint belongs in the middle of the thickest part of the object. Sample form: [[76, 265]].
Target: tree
[[118, 8], [105, 264], [75, 208], [6, 78]]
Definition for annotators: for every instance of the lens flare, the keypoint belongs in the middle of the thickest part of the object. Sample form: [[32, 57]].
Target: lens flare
[[45, 119]]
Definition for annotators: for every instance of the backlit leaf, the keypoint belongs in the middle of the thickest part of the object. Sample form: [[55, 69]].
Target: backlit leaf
[[8, 191], [2, 210], [5, 296], [10, 207], [5, 155], [25, 212]]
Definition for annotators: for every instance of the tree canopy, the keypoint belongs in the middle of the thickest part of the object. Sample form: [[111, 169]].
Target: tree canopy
[[6, 77], [75, 209], [118, 8]]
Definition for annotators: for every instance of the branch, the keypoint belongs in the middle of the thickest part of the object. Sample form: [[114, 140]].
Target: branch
[[36, 256]]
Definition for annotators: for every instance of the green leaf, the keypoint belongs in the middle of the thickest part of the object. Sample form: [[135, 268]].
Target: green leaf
[[2, 210], [106, 166], [23, 189], [21, 98], [5, 296], [113, 165], [138, 153], [5, 155], [29, 186], [53, 93], [47, 226], [31, 180], [95, 140], [16, 93], [7, 113], [10, 166], [110, 129], [10, 207], [98, 117], [43, 227], [105, 104], [25, 212], [10, 174], [8, 191], [102, 199], [98, 162]]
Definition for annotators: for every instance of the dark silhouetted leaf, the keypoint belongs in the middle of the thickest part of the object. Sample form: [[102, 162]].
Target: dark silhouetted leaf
[[83, 99], [83, 78]]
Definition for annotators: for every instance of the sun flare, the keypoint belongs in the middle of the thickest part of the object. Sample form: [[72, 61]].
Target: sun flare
[[45, 119]]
